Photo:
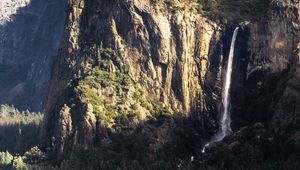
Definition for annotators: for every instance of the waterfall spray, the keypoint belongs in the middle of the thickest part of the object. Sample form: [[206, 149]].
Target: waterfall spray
[[225, 117]]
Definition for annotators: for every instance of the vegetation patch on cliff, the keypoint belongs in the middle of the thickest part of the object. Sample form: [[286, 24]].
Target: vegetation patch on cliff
[[116, 99], [223, 11], [234, 10]]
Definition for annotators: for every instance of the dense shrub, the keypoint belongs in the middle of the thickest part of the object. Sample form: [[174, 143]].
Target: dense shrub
[[105, 71], [10, 162], [34, 156], [19, 164], [5, 158]]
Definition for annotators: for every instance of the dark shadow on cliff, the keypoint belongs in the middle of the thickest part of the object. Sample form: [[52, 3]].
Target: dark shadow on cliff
[[29, 43], [153, 145], [163, 142]]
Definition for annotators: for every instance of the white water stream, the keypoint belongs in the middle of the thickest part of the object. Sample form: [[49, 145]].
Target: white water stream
[[225, 117]]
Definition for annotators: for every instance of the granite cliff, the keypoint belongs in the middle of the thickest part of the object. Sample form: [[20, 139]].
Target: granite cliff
[[165, 46], [169, 57], [30, 33], [135, 81]]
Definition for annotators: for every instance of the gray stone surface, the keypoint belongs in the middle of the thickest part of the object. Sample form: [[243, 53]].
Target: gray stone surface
[[30, 33]]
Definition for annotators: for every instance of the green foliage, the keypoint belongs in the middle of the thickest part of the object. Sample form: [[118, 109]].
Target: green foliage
[[105, 70], [19, 164], [210, 5], [158, 111], [234, 10], [5, 158], [134, 106], [97, 79], [105, 58], [154, 110], [10, 115], [34, 156], [139, 94], [19, 130], [8, 161]]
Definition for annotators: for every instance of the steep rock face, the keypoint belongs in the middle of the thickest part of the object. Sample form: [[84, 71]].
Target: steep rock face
[[177, 59], [166, 46], [266, 89], [30, 33], [286, 107]]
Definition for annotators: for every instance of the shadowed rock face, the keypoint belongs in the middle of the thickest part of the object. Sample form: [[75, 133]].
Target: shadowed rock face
[[30, 33], [265, 88]]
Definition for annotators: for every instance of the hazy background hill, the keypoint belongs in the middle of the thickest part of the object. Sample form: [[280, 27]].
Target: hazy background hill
[[30, 32]]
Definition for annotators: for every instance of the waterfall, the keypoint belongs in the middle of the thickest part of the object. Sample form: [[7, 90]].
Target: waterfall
[[226, 121], [225, 117]]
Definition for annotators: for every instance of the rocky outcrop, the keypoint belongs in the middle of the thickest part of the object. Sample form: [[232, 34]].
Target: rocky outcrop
[[264, 91], [156, 45], [64, 128], [30, 33], [115, 55], [166, 46], [285, 109]]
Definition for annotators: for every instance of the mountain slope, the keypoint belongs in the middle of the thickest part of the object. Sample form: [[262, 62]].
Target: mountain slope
[[144, 78], [30, 33]]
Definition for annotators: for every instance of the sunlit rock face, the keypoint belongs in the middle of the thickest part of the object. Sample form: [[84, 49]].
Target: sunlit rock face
[[168, 51], [178, 57], [167, 47], [30, 32]]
